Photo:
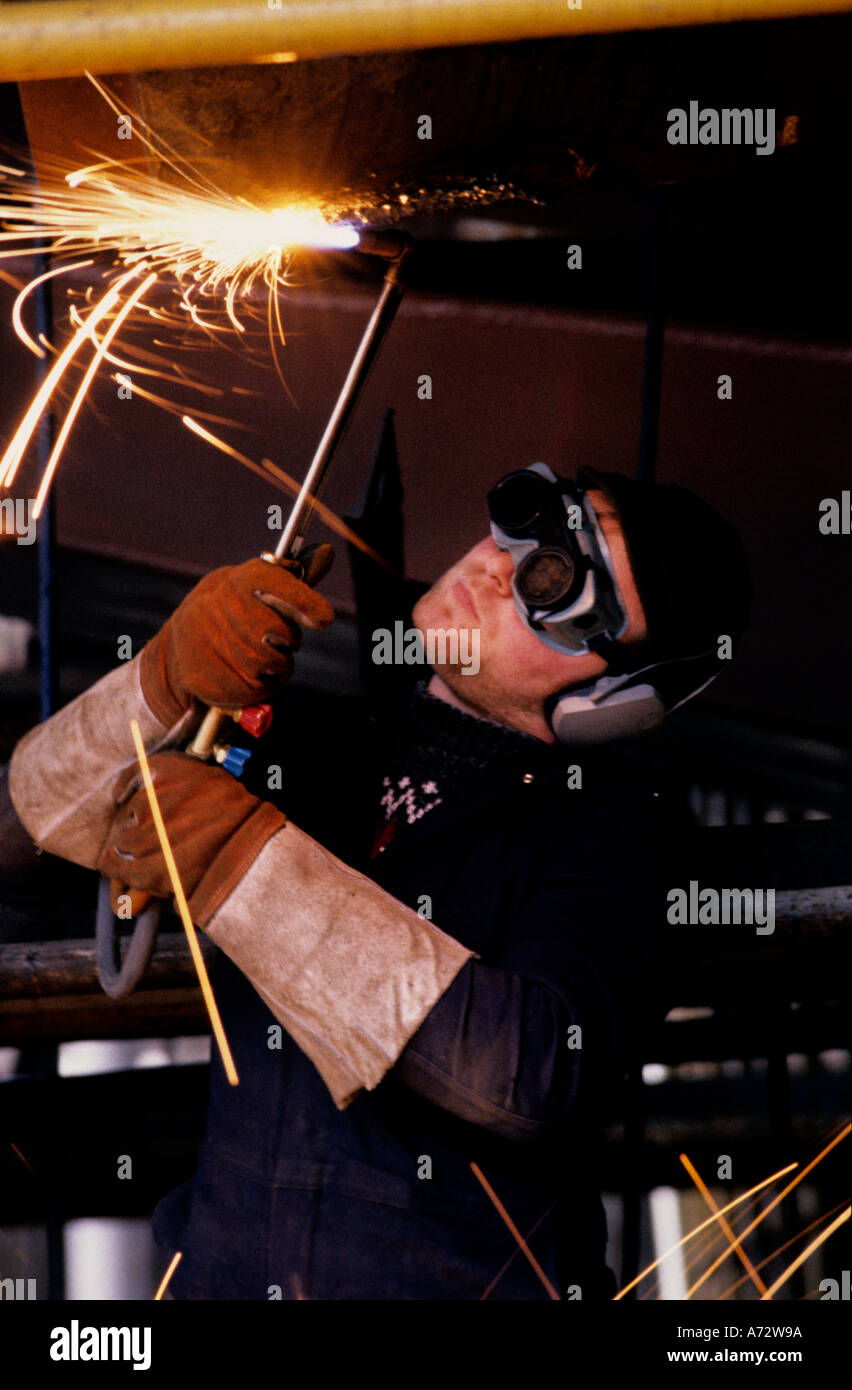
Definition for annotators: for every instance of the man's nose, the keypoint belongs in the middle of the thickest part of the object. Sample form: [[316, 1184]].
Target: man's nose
[[499, 567]]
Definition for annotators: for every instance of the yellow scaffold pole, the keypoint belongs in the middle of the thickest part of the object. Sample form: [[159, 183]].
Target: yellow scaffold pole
[[64, 38]]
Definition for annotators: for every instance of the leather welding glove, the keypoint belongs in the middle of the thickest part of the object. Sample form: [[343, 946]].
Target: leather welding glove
[[349, 971], [62, 773], [232, 639], [205, 811]]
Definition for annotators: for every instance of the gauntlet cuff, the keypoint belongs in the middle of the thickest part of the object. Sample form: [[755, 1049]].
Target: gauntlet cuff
[[62, 772], [349, 971], [233, 861]]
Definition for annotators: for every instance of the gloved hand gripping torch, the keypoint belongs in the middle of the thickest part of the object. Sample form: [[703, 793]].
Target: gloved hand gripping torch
[[118, 978]]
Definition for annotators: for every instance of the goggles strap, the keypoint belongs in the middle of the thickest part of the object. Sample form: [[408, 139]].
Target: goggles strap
[[613, 653]]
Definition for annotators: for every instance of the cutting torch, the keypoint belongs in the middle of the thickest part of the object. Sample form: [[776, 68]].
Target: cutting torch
[[119, 978]]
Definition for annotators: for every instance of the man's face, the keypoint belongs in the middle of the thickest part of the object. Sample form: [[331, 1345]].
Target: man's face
[[517, 672]]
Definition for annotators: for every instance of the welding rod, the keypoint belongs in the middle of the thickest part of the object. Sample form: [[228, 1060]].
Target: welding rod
[[393, 247]]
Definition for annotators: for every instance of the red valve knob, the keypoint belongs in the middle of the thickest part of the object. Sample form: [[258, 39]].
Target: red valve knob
[[255, 719]]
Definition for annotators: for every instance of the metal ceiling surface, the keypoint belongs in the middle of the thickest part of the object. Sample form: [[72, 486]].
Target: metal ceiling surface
[[543, 117]]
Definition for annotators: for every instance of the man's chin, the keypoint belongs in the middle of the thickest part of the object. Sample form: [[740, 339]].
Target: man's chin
[[418, 612], [430, 611]]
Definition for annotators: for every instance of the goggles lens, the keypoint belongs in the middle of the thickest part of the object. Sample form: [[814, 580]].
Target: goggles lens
[[518, 500], [564, 585], [545, 576]]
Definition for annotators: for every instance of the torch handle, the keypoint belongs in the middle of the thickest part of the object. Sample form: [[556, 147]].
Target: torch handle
[[207, 734]]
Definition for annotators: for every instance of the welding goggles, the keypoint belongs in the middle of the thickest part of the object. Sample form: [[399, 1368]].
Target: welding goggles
[[564, 585]]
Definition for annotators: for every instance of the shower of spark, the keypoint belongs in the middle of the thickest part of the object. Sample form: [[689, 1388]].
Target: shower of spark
[[806, 1253], [21, 1156], [212, 245], [217, 262], [210, 251], [167, 1277], [773, 1255], [271, 472], [702, 1226], [552, 1291], [734, 1241], [25, 431], [724, 1225], [838, 1138]]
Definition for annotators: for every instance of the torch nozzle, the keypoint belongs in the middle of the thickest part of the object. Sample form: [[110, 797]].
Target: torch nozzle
[[391, 246]]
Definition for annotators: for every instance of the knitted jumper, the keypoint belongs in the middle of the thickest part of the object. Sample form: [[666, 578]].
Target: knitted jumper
[[439, 750]]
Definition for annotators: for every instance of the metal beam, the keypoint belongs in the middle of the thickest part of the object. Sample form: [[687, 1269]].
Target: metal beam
[[64, 38], [49, 989], [38, 970]]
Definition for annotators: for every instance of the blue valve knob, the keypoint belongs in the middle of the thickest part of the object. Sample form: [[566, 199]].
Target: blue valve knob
[[235, 760]]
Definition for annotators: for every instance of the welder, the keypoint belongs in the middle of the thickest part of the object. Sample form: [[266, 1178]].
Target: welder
[[437, 933]]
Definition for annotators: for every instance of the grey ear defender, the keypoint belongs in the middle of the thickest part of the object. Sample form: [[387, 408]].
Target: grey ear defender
[[608, 710], [631, 704], [566, 592]]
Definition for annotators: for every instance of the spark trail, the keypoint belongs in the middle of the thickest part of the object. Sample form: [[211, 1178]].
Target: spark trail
[[211, 255], [218, 261]]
